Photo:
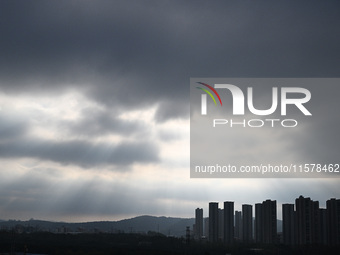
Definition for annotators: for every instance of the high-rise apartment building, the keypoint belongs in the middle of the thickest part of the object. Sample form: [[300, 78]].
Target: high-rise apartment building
[[269, 221], [213, 222], [266, 222], [323, 226], [333, 221], [228, 222], [258, 228], [238, 226], [288, 224], [198, 223], [220, 224], [247, 222], [304, 220]]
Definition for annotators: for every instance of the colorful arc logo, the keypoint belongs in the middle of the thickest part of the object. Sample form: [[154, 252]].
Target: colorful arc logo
[[209, 93], [204, 97]]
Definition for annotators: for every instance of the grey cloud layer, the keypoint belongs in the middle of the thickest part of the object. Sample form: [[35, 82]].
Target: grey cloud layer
[[95, 122], [130, 55], [80, 152], [76, 144], [133, 54], [12, 127]]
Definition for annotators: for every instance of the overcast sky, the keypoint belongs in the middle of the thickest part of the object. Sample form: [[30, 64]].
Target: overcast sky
[[94, 100]]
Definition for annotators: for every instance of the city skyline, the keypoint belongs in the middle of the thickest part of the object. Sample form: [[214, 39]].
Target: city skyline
[[303, 223], [278, 205], [205, 209], [94, 103]]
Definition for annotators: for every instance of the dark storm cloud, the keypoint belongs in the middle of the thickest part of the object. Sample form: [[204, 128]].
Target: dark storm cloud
[[129, 54], [80, 152]]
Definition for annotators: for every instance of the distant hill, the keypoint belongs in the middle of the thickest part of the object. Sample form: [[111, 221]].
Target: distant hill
[[168, 226], [164, 225], [141, 224]]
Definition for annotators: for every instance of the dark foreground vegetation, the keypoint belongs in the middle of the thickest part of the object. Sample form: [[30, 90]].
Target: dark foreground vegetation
[[126, 244]]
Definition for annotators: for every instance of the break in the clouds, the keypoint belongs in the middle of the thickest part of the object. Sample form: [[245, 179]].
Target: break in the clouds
[[103, 86]]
